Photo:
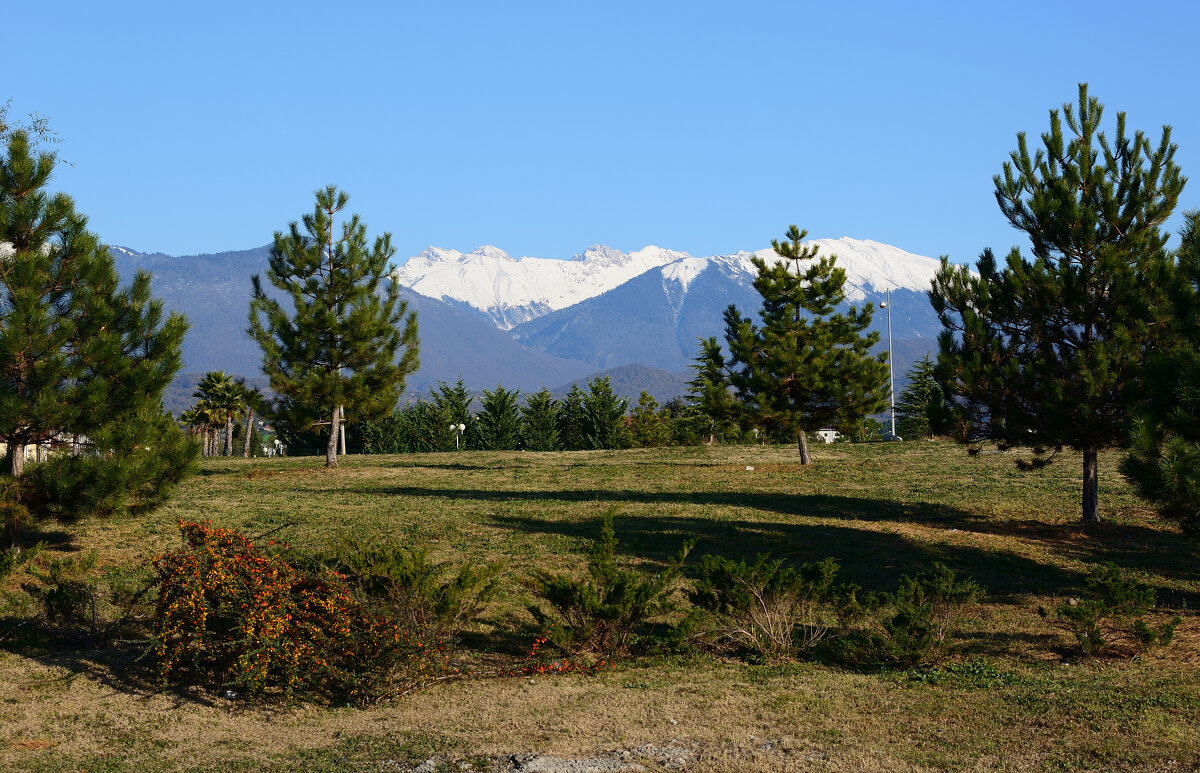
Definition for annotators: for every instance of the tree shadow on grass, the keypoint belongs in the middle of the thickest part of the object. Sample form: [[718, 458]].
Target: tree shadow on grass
[[871, 557]]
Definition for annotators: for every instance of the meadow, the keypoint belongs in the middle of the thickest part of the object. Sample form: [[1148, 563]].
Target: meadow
[[1015, 692]]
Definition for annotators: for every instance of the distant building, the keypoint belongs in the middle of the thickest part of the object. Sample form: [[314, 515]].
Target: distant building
[[828, 435]]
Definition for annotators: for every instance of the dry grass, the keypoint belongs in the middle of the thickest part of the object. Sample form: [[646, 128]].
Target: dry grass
[[882, 511]]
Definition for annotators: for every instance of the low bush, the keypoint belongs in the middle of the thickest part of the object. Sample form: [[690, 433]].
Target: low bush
[[603, 614], [232, 616], [1118, 611], [768, 609], [407, 587]]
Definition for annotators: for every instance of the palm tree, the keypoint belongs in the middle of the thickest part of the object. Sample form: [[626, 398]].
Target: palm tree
[[224, 395], [253, 400]]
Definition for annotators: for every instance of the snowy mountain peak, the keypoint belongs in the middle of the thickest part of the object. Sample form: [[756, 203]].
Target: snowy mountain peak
[[510, 291], [601, 254]]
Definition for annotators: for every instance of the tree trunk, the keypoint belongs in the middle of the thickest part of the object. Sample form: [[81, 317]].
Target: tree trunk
[[249, 424], [229, 434], [1091, 486], [805, 456], [331, 450], [204, 442], [16, 452]]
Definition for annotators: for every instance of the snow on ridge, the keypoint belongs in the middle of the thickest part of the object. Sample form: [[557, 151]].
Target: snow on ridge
[[510, 290]]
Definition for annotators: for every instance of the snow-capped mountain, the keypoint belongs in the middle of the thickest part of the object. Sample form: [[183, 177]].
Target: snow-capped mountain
[[511, 291]]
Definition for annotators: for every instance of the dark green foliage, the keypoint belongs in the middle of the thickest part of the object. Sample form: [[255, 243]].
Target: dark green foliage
[[76, 599], [83, 362], [920, 405], [1118, 607], [604, 416], [805, 367], [715, 406], [767, 608], [539, 422], [499, 421], [342, 346], [921, 612], [1164, 454], [648, 428], [602, 614], [451, 407], [1048, 352], [406, 586], [572, 421]]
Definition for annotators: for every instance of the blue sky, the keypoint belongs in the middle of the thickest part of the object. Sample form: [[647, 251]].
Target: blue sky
[[542, 128]]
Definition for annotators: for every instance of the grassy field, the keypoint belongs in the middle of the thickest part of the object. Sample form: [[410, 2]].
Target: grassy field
[[1027, 701]]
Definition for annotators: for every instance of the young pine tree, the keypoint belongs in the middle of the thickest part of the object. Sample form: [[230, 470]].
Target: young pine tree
[[648, 428], [717, 408], [499, 420], [805, 366], [604, 416], [83, 361], [345, 346], [1048, 352], [539, 422], [572, 421], [920, 403]]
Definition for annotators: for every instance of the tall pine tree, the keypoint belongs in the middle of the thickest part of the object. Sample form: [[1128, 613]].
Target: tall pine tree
[[713, 404], [344, 346], [83, 361], [807, 365], [1047, 352], [1164, 455]]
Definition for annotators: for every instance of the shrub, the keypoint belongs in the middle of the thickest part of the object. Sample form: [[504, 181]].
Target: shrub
[[767, 608], [916, 618], [77, 600], [407, 587], [1118, 611], [230, 615], [601, 615]]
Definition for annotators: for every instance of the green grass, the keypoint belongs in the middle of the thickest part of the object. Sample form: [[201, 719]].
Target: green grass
[[1015, 697]]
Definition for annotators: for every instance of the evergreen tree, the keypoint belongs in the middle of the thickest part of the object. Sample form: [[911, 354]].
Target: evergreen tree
[[603, 416], [920, 403], [713, 403], [806, 366], [341, 347], [1164, 455], [1048, 351], [499, 420], [572, 421], [83, 362], [451, 407], [539, 422], [647, 427]]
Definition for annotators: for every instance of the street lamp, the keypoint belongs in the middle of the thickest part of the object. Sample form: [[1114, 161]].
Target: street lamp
[[457, 429], [887, 304]]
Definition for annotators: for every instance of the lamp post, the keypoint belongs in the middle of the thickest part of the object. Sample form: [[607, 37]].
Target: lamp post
[[887, 304], [458, 430]]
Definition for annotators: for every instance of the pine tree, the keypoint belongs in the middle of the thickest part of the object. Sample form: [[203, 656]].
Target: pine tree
[[1164, 455], [499, 420], [571, 420], [716, 406], [451, 408], [539, 422], [647, 427], [806, 366], [83, 362], [920, 403], [343, 346], [603, 416], [1048, 351]]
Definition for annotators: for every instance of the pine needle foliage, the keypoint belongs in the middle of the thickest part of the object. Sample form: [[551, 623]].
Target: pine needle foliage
[[1047, 351], [343, 343], [807, 365], [83, 361]]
